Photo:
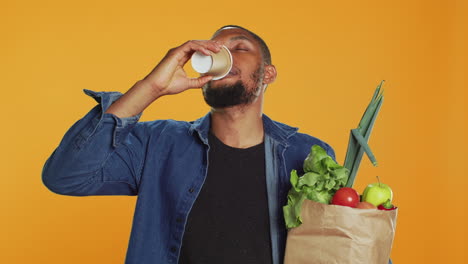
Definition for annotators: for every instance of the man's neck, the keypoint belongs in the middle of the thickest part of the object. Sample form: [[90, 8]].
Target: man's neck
[[238, 127]]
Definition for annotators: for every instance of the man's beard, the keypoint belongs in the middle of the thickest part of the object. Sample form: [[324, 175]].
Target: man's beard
[[233, 94]]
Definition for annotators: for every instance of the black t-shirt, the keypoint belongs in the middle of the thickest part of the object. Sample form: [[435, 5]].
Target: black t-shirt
[[229, 221]]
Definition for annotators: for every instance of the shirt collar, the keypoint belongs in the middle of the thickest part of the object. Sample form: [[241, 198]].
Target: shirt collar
[[276, 130]]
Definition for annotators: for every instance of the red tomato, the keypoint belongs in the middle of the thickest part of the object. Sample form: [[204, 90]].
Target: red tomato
[[346, 196]]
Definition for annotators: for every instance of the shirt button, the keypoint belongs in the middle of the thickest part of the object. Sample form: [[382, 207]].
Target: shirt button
[[173, 249], [191, 190], [179, 220]]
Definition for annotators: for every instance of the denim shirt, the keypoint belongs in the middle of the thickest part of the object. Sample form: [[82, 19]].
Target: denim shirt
[[165, 163]]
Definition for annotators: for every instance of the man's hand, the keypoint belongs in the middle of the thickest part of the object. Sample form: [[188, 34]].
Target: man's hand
[[168, 77]]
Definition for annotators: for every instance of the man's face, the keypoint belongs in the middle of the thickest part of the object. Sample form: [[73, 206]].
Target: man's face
[[244, 82]]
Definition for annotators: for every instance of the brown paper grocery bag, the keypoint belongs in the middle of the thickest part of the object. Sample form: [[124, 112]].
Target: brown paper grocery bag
[[338, 234]]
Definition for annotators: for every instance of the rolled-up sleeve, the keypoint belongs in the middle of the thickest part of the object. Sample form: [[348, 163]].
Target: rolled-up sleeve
[[101, 154]]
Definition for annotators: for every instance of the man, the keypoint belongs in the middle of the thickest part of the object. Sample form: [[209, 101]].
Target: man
[[209, 191]]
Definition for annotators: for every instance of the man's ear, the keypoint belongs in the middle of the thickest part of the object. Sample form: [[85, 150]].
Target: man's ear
[[270, 74]]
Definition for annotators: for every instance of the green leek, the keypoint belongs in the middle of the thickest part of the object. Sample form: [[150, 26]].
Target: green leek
[[359, 137]]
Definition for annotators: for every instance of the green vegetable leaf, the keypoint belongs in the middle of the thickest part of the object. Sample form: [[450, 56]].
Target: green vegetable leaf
[[313, 162], [294, 180], [329, 163], [330, 184], [323, 176], [340, 173], [292, 211], [319, 186], [309, 179], [320, 196]]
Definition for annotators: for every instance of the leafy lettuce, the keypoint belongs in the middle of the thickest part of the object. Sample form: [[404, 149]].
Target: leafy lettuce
[[322, 178]]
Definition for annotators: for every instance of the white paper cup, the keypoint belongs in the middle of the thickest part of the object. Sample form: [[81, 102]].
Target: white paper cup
[[217, 64]]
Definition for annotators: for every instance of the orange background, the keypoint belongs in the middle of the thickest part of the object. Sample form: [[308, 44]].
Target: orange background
[[330, 56]]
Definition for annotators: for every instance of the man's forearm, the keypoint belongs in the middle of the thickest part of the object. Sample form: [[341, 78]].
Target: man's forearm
[[168, 77], [135, 100]]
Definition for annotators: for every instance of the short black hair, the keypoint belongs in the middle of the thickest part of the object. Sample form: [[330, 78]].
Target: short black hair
[[263, 46]]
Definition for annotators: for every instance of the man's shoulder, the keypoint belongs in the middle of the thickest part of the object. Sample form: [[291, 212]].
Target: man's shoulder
[[307, 141], [301, 142], [306, 138], [300, 138]]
